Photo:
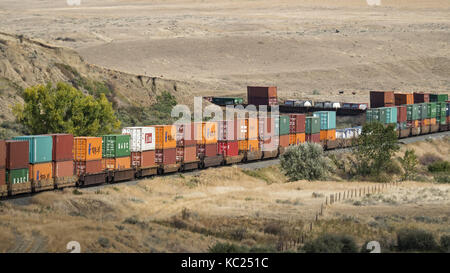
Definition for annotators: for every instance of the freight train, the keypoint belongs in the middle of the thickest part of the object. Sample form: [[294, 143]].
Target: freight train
[[46, 162]]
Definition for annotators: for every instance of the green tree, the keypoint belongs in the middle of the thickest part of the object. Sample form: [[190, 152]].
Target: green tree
[[375, 148], [64, 109], [409, 162], [305, 161]]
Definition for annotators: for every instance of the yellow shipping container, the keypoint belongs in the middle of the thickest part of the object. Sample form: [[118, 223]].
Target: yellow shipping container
[[300, 138], [117, 163], [328, 134], [41, 171], [253, 145], [87, 148], [165, 136]]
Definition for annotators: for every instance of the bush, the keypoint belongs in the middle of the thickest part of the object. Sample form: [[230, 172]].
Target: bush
[[442, 178], [305, 161], [439, 166], [445, 243], [416, 240], [409, 162], [375, 147], [227, 248], [331, 243], [429, 158]]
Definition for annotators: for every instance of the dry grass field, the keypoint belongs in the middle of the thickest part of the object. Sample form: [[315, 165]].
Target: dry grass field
[[193, 211]]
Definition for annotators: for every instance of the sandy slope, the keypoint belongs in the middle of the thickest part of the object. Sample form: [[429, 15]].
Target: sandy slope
[[300, 46]]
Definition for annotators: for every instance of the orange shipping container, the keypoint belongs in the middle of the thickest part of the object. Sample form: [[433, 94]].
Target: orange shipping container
[[300, 138], [41, 171], [165, 137], [209, 133], [432, 121], [243, 144], [426, 122], [253, 145], [252, 128], [117, 163], [87, 148], [328, 134], [292, 139]]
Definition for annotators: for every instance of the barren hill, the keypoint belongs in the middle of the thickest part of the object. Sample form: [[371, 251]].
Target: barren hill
[[25, 62]]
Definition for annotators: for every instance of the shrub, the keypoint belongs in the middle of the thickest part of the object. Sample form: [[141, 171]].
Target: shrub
[[429, 158], [409, 162], [415, 240], [445, 243], [227, 248], [442, 178], [305, 161], [375, 147], [439, 166], [331, 243], [274, 229]]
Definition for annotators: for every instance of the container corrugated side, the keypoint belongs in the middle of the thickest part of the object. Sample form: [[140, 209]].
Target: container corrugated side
[[115, 146], [327, 119], [284, 123], [17, 176], [141, 138], [62, 147], [17, 154], [87, 148], [312, 125], [41, 171], [2, 154]]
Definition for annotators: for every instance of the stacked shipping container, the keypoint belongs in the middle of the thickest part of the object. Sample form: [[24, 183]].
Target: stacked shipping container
[[262, 95], [62, 160], [207, 135], [296, 129], [268, 133], [284, 124], [421, 97], [186, 143], [116, 152], [40, 159], [87, 155], [312, 129], [403, 98], [228, 144], [165, 144], [142, 146], [382, 99], [327, 124]]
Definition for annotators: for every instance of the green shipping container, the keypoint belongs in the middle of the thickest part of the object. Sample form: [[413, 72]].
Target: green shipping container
[[388, 115], [17, 176], [412, 112], [41, 148], [438, 97], [441, 113], [312, 125], [115, 146], [327, 119], [284, 125], [227, 101], [373, 115], [431, 109], [423, 110]]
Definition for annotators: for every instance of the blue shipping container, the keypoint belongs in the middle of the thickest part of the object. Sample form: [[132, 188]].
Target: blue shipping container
[[327, 119], [41, 148]]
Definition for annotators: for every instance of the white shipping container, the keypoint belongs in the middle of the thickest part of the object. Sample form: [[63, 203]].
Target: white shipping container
[[142, 138]]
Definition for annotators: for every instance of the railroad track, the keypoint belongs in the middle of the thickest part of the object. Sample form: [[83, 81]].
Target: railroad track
[[23, 199]]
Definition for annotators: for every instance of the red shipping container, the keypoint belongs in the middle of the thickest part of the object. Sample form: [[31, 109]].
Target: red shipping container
[[421, 97], [401, 113], [166, 156], [313, 138], [297, 123], [261, 92], [228, 148], [62, 147], [17, 154], [2, 154], [2, 176], [186, 135], [284, 141], [88, 167], [143, 159], [63, 169], [207, 150], [186, 154]]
